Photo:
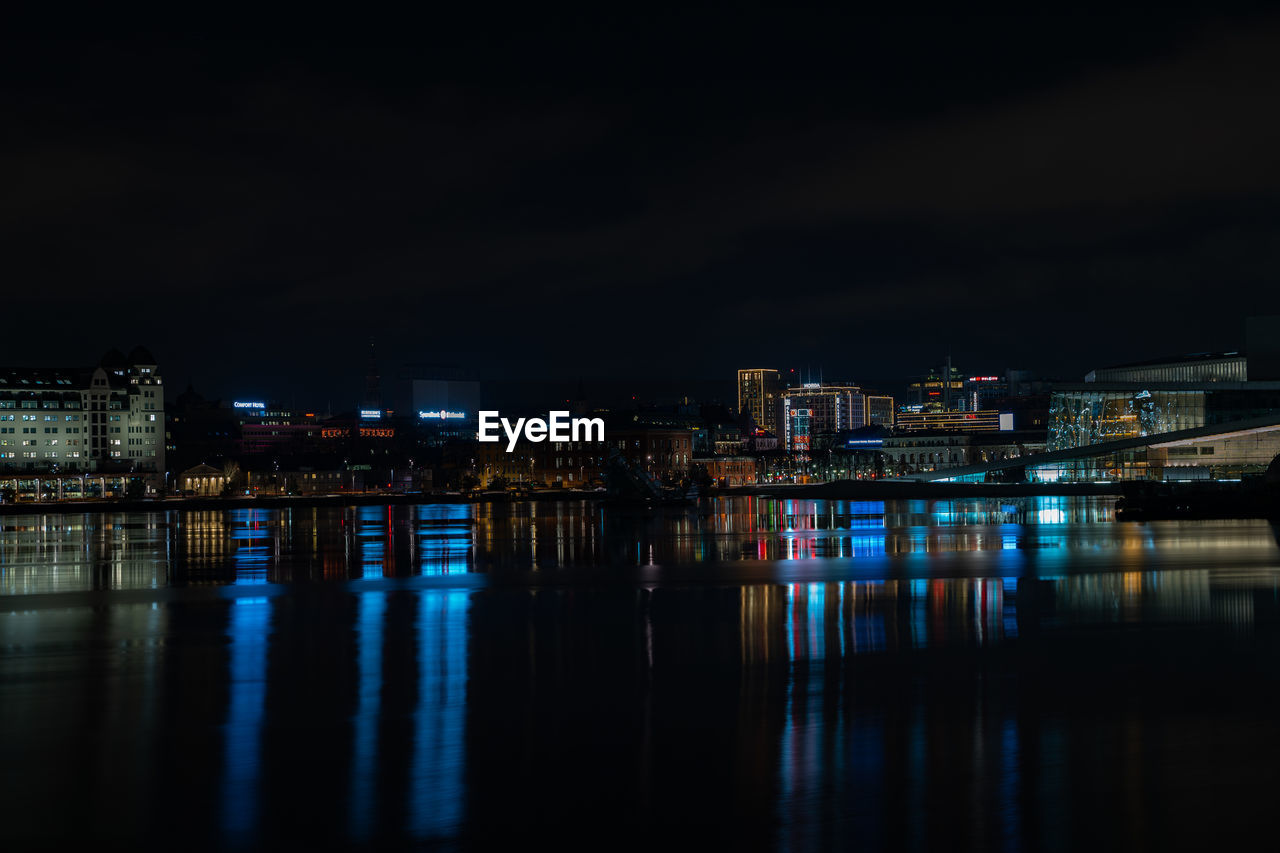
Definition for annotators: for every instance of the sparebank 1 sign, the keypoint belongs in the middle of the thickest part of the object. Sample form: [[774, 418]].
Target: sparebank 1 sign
[[443, 415]]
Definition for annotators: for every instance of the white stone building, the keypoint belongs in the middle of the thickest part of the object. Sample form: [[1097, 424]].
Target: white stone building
[[103, 419]]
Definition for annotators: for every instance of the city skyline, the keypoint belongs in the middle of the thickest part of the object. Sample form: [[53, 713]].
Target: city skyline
[[735, 427]]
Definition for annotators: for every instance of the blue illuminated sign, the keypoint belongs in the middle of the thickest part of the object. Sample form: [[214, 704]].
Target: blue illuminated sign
[[443, 414]]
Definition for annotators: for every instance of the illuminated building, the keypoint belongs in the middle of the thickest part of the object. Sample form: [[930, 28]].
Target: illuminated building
[[831, 409], [445, 400], [799, 431], [271, 429], [760, 393], [985, 421], [817, 409], [981, 392], [1168, 394], [924, 451], [108, 418], [880, 410], [939, 390], [729, 470], [1198, 367], [1199, 416], [1225, 451], [202, 481]]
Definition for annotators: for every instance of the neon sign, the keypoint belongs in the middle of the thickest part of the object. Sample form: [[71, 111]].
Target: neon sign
[[442, 415], [243, 405], [371, 414]]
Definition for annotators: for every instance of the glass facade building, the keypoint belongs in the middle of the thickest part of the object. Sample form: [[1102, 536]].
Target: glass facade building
[[1081, 417], [1093, 413]]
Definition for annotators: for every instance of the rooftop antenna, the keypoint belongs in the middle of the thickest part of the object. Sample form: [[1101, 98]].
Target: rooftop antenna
[[946, 383]]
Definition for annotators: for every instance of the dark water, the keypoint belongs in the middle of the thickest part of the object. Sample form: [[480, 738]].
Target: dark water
[[790, 675]]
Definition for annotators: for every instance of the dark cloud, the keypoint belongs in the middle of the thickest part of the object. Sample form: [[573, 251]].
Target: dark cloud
[[644, 197]]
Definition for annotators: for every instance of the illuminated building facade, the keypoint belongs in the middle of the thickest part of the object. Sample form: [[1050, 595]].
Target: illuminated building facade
[[271, 429], [983, 421], [202, 481], [1198, 367], [800, 431], [1227, 451], [107, 418], [924, 451], [760, 393], [830, 409], [880, 410], [821, 410], [982, 392], [729, 470], [939, 390], [1095, 412], [1160, 396], [445, 400]]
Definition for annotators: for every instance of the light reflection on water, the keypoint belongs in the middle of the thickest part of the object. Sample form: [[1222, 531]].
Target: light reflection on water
[[868, 539], [971, 674]]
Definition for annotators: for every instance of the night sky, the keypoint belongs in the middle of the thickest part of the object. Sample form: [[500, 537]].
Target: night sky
[[646, 195]]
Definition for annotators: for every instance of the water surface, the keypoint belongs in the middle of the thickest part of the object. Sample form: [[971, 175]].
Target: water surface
[[766, 674]]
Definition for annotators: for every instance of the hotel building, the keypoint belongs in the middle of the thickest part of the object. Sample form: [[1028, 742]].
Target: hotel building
[[760, 393], [108, 418]]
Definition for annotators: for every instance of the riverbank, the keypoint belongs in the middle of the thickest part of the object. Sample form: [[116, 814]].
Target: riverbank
[[900, 489], [275, 501], [840, 490]]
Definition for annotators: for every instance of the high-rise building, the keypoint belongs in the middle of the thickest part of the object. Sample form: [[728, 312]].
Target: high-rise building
[[832, 409], [760, 393], [880, 410], [828, 409], [941, 390], [108, 418]]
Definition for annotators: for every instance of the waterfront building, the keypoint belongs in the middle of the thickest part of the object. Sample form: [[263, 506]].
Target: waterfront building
[[1160, 396], [1133, 422], [202, 481], [1199, 367], [932, 450], [1229, 451], [729, 470], [68, 421]]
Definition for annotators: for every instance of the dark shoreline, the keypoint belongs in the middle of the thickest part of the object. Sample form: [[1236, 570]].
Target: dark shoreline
[[837, 490]]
